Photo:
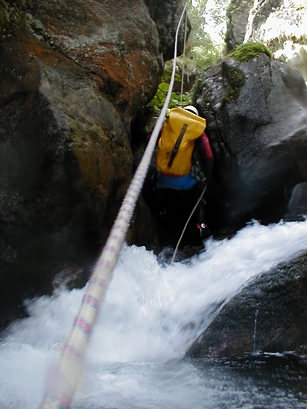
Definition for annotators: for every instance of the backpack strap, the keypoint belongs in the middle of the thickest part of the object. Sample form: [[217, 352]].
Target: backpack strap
[[176, 145]]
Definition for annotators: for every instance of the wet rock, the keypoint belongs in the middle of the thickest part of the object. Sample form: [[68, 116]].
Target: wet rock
[[297, 206], [68, 278], [73, 74], [268, 315], [257, 123]]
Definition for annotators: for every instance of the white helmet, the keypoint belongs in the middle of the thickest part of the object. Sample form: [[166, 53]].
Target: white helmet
[[192, 109]]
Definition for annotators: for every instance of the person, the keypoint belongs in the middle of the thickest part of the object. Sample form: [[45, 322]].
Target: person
[[183, 150]]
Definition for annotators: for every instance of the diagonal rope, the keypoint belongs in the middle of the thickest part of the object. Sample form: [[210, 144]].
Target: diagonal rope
[[184, 56], [186, 224], [65, 376]]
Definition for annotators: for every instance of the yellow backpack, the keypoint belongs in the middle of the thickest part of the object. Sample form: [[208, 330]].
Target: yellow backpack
[[177, 140]]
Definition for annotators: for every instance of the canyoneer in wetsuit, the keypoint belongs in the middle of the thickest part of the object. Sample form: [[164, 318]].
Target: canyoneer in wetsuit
[[177, 187]]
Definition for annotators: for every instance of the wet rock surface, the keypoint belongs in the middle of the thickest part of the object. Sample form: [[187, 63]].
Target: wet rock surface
[[73, 75], [257, 124], [267, 315]]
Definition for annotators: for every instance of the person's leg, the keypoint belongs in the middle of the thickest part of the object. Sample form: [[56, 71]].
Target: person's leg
[[200, 218], [168, 215]]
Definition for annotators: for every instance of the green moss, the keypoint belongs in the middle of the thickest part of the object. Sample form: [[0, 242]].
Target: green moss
[[246, 51], [12, 16], [234, 80], [167, 73], [158, 100]]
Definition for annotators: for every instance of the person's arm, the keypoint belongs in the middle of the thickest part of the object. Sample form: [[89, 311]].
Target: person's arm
[[207, 154]]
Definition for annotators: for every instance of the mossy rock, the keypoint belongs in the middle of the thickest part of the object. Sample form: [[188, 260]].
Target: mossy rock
[[235, 81], [246, 51], [12, 15]]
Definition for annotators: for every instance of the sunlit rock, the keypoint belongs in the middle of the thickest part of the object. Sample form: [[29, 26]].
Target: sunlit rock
[[280, 25]]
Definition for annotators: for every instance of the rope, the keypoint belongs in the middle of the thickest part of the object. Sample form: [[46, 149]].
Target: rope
[[187, 222], [184, 54], [65, 376]]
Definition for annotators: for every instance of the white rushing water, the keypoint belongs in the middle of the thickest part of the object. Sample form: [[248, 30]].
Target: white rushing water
[[135, 356]]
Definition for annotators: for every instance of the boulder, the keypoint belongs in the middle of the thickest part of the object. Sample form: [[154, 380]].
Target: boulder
[[268, 315], [257, 123]]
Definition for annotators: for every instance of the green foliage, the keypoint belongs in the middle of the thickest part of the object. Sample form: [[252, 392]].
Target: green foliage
[[200, 54], [246, 51], [12, 15], [167, 73], [234, 81], [175, 100]]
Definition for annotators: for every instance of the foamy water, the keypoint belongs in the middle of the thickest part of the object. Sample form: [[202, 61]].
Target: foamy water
[[135, 357]]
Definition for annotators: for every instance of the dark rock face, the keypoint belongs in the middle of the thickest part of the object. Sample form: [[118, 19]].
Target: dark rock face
[[297, 206], [257, 122], [268, 315], [72, 76]]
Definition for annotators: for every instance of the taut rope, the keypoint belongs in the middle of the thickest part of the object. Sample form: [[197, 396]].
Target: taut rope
[[66, 375], [187, 222]]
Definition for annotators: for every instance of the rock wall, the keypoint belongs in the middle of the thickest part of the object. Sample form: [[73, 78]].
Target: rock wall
[[279, 24], [257, 123], [73, 75]]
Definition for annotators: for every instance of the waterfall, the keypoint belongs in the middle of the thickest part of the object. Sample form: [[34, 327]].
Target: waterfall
[[151, 315]]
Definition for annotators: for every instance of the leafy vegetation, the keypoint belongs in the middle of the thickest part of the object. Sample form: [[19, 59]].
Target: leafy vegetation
[[200, 53], [12, 15], [177, 98]]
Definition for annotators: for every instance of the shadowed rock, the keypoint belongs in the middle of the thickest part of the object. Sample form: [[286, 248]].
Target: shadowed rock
[[257, 122], [268, 315]]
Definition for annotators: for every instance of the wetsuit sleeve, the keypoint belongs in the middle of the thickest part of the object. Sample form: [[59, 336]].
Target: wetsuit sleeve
[[207, 154]]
